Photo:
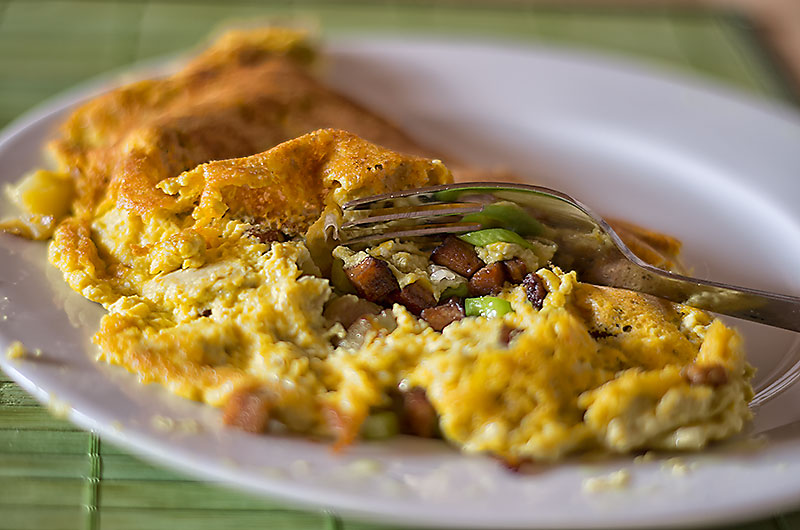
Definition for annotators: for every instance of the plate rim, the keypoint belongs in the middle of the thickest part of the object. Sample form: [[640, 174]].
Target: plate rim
[[71, 97]]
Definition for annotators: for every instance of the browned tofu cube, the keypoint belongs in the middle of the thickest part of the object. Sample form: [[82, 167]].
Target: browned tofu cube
[[415, 297], [458, 256], [372, 279], [419, 417], [534, 289], [443, 315], [515, 269], [488, 280]]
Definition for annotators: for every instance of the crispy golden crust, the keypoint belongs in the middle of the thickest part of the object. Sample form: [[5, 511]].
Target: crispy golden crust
[[289, 186], [243, 96]]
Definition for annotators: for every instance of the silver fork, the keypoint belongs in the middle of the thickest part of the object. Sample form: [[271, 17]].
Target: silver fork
[[586, 244]]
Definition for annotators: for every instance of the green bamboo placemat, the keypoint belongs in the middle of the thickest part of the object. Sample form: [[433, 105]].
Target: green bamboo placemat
[[55, 476]]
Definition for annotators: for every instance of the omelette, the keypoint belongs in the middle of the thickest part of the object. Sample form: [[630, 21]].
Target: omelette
[[194, 208]]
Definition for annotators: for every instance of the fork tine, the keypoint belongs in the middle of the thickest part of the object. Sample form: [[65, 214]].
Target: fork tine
[[417, 231], [606, 261], [426, 211], [426, 195]]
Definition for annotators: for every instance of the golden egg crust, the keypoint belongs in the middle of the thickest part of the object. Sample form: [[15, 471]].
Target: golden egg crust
[[248, 92], [286, 188]]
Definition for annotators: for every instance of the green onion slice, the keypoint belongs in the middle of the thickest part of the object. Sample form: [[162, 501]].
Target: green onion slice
[[487, 236], [486, 306], [460, 291], [506, 215]]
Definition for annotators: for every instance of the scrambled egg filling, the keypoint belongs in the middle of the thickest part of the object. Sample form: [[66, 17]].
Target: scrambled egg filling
[[197, 302], [221, 286]]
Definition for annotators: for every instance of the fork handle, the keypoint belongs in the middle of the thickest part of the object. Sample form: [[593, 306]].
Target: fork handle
[[773, 309]]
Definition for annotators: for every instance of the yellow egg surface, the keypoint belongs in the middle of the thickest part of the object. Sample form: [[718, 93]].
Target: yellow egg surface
[[199, 303], [220, 282]]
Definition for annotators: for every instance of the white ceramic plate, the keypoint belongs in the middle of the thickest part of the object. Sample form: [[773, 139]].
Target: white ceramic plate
[[708, 165]]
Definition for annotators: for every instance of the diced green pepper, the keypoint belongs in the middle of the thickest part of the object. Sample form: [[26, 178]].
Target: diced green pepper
[[506, 215], [380, 425], [460, 291], [486, 306], [481, 238]]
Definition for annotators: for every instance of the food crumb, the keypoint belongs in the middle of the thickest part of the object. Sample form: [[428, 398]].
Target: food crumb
[[613, 481], [300, 467], [58, 407], [676, 466], [649, 456], [116, 425], [16, 350], [188, 426], [167, 424], [365, 466], [162, 423]]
